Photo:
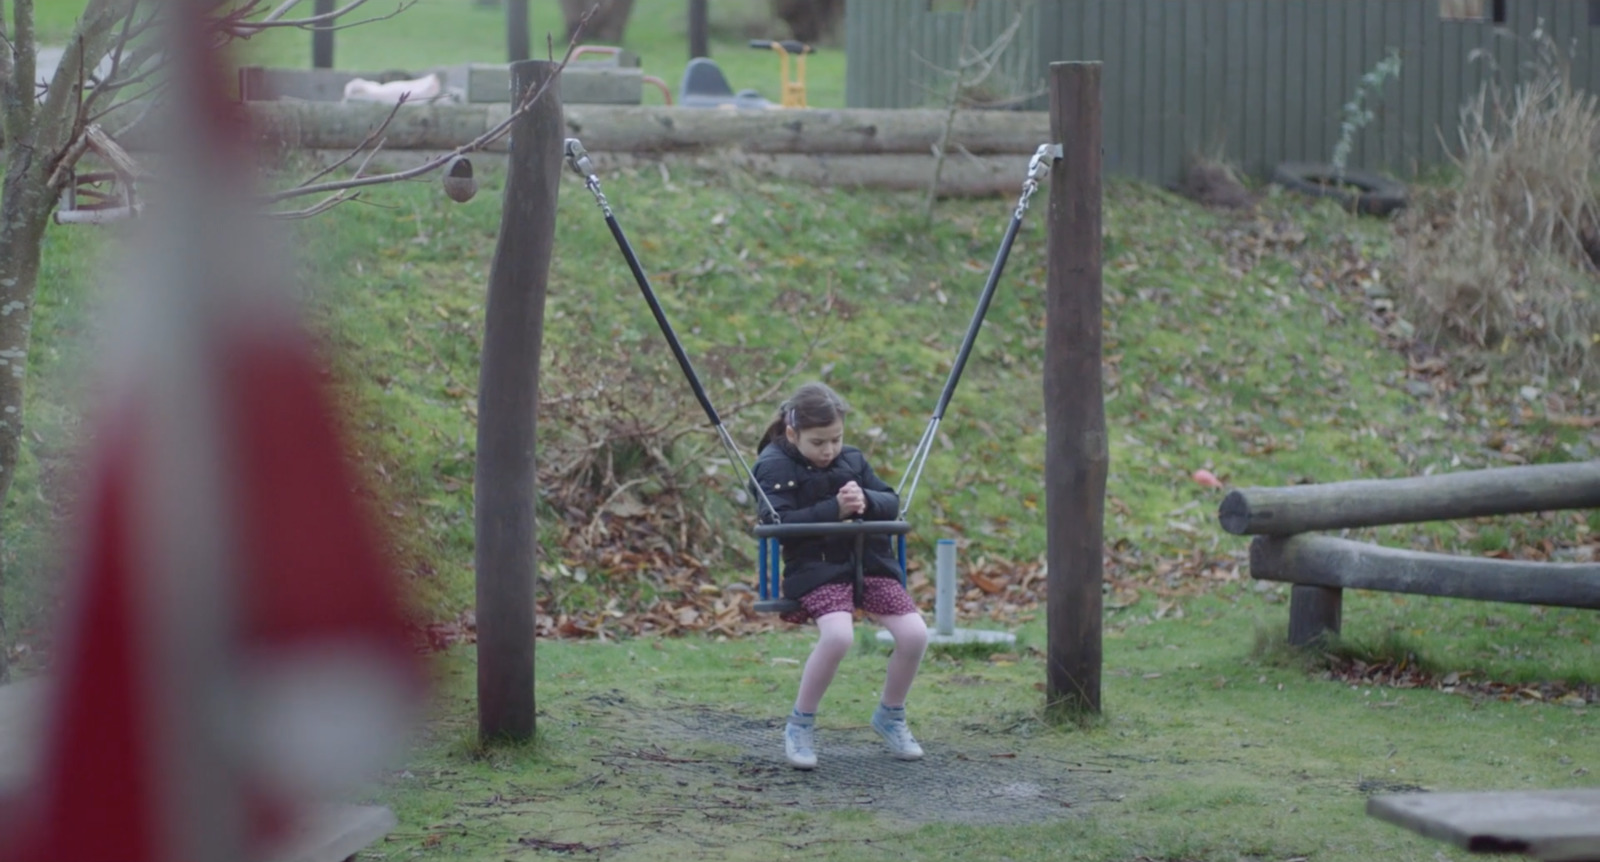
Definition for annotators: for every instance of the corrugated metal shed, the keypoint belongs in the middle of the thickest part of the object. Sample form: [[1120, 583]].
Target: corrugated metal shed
[[1257, 81]]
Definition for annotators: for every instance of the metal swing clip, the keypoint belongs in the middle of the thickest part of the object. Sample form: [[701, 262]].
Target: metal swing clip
[[1038, 169], [1039, 165], [578, 160]]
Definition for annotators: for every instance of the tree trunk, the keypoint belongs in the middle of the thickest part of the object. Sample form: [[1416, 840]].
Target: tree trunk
[[810, 21], [25, 205], [607, 25]]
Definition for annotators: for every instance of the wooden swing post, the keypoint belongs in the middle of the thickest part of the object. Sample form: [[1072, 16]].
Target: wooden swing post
[[505, 487], [1075, 440]]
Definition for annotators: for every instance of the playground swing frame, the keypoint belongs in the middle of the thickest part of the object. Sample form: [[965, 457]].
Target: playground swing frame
[[769, 535]]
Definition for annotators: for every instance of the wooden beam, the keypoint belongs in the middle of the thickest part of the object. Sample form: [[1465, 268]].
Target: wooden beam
[[1375, 502], [642, 128], [322, 37], [517, 47], [505, 489], [1076, 455], [1553, 825], [1327, 561], [699, 27]]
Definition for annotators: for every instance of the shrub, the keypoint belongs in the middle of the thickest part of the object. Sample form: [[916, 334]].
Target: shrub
[[1500, 258]]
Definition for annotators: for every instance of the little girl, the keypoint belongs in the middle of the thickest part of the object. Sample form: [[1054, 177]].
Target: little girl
[[812, 477]]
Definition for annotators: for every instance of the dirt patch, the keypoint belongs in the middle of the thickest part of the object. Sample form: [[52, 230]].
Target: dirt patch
[[734, 762]]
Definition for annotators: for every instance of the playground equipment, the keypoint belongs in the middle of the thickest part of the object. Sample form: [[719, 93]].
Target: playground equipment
[[793, 89], [770, 534], [705, 86], [1320, 567]]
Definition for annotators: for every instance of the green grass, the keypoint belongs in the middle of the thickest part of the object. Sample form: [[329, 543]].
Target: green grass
[[1227, 347], [445, 32], [1202, 753]]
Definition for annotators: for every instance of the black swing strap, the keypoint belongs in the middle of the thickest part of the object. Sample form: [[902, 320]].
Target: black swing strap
[[578, 159], [1038, 169]]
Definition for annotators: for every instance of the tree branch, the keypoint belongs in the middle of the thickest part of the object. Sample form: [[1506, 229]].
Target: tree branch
[[493, 134]]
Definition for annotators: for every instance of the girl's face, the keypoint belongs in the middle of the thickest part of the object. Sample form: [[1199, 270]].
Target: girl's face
[[819, 445]]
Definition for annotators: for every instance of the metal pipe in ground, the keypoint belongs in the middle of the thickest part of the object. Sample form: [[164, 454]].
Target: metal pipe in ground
[[944, 603], [944, 606]]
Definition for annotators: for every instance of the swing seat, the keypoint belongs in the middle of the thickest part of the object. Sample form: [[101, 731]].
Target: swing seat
[[769, 558]]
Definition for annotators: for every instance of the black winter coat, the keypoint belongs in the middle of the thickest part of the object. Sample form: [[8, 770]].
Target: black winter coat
[[806, 494]]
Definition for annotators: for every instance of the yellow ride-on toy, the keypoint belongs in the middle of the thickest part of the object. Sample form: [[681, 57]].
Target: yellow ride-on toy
[[794, 89]]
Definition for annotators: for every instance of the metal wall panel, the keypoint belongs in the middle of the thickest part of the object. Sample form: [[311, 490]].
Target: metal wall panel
[[1256, 81]]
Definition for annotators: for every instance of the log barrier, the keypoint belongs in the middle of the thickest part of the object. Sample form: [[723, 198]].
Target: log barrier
[[1321, 567], [988, 151]]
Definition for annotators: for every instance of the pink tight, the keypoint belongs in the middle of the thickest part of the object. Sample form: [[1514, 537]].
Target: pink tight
[[835, 634]]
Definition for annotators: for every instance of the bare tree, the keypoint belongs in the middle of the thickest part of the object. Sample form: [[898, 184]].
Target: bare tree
[[605, 20], [109, 79], [967, 83]]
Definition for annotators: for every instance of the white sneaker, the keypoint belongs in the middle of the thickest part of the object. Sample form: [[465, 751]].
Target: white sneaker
[[799, 745], [895, 732]]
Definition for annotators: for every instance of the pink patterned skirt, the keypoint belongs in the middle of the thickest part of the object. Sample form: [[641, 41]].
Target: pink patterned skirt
[[883, 597]]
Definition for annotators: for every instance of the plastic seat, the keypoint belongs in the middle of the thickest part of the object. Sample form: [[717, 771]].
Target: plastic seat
[[704, 86]]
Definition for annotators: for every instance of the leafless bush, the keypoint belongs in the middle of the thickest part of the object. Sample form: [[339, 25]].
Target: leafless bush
[[633, 479], [1502, 258]]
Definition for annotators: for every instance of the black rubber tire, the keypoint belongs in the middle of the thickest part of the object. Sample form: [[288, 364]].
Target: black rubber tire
[[1362, 191]]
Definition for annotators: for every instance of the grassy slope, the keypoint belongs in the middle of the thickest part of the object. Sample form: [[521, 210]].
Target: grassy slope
[[1208, 365]]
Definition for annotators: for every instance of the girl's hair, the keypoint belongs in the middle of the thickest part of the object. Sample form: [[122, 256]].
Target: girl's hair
[[811, 406]]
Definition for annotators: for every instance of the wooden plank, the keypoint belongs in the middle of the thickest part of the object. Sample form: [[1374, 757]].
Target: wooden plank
[[1409, 500], [1328, 561], [1076, 456], [506, 483], [1549, 825]]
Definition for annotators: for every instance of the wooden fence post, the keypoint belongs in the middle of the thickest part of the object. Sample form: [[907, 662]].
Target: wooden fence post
[[699, 45], [517, 47], [1075, 440], [508, 398], [322, 37]]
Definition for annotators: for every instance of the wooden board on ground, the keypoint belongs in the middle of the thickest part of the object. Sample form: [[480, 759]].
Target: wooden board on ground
[[1551, 825]]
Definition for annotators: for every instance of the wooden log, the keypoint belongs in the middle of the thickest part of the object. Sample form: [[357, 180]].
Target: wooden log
[[658, 128], [517, 39], [505, 489], [322, 36], [1076, 455], [980, 175], [1326, 561], [1314, 613], [638, 128], [1375, 502]]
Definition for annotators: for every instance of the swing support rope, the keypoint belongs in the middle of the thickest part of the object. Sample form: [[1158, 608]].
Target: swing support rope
[[1038, 169], [578, 159]]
